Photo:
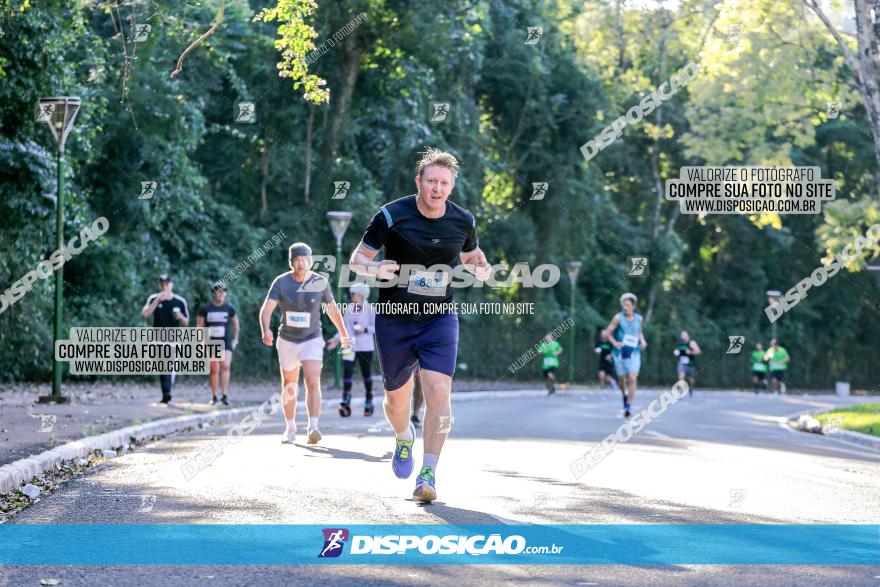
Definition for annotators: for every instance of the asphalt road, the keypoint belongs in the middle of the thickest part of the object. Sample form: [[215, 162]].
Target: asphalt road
[[716, 458]]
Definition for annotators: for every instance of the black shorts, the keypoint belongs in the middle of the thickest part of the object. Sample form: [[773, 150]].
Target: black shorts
[[548, 370], [606, 367], [779, 375], [762, 375]]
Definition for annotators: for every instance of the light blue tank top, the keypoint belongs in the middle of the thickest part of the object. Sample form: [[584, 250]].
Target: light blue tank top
[[628, 331]]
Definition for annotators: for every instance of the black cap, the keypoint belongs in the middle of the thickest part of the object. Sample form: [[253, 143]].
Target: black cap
[[218, 286], [165, 277]]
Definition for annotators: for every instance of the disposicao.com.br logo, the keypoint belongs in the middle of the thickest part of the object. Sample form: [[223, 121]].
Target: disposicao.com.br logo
[[450, 544]]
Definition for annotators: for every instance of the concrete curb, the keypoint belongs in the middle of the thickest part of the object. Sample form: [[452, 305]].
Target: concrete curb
[[866, 440], [22, 470]]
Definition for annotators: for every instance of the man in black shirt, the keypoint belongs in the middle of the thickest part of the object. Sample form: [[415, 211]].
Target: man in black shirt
[[168, 310], [412, 329], [222, 323]]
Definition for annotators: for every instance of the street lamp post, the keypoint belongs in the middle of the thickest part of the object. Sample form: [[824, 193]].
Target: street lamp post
[[773, 296], [59, 113], [573, 268], [338, 225]]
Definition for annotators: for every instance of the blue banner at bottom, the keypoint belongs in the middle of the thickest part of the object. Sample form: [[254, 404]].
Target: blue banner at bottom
[[629, 544]]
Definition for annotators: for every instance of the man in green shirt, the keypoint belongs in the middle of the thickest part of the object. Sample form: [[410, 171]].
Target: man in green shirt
[[551, 349], [759, 368], [778, 358]]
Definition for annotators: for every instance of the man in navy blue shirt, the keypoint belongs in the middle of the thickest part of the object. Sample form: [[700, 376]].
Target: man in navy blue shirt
[[427, 230]]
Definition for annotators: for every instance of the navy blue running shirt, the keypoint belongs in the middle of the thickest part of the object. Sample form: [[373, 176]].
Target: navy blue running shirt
[[411, 238]]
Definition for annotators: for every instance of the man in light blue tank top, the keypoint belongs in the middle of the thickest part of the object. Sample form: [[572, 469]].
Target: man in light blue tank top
[[625, 332]]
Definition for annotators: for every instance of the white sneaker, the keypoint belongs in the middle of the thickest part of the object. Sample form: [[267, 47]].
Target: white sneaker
[[289, 435]]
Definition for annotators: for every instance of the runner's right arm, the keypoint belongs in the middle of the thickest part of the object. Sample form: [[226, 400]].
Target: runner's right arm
[[269, 306], [361, 262], [152, 303], [607, 332]]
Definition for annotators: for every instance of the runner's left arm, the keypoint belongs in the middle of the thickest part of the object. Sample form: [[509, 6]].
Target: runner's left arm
[[335, 317], [235, 329]]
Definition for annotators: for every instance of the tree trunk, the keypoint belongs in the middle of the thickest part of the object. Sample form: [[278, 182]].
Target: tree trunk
[[352, 66], [865, 66], [264, 180], [309, 122]]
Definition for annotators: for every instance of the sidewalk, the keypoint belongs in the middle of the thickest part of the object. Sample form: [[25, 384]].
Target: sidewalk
[[28, 428]]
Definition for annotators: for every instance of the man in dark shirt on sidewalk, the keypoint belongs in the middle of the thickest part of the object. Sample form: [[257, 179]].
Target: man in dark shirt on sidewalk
[[168, 310]]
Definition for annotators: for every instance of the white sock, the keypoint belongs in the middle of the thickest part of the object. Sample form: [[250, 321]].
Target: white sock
[[407, 434], [431, 461], [313, 423], [291, 425]]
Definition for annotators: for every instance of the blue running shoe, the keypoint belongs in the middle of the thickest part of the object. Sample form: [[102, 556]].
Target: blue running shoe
[[402, 461], [425, 491]]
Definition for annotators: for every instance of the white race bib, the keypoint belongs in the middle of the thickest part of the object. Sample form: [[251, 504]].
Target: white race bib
[[217, 331], [630, 340], [684, 360], [426, 283], [299, 319]]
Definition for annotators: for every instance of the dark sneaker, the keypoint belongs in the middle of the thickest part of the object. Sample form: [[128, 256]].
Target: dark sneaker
[[344, 410], [368, 410], [214, 400], [224, 400]]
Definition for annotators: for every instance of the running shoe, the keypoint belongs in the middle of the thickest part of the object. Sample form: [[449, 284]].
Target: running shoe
[[224, 400], [314, 436], [344, 410], [415, 421], [402, 461], [289, 435], [368, 410], [213, 400], [425, 491]]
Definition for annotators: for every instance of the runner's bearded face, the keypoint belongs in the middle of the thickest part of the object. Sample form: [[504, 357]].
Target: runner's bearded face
[[434, 185]]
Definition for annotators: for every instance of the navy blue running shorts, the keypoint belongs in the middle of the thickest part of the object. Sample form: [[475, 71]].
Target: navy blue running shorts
[[402, 345]]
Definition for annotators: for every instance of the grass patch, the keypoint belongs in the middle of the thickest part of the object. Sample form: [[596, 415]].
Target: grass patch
[[864, 418]]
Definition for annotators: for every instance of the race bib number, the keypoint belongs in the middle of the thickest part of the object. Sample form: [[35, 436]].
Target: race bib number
[[684, 360], [425, 283], [630, 340], [299, 319], [217, 331]]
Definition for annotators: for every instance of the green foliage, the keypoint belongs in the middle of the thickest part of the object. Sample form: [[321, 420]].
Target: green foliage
[[519, 114]]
